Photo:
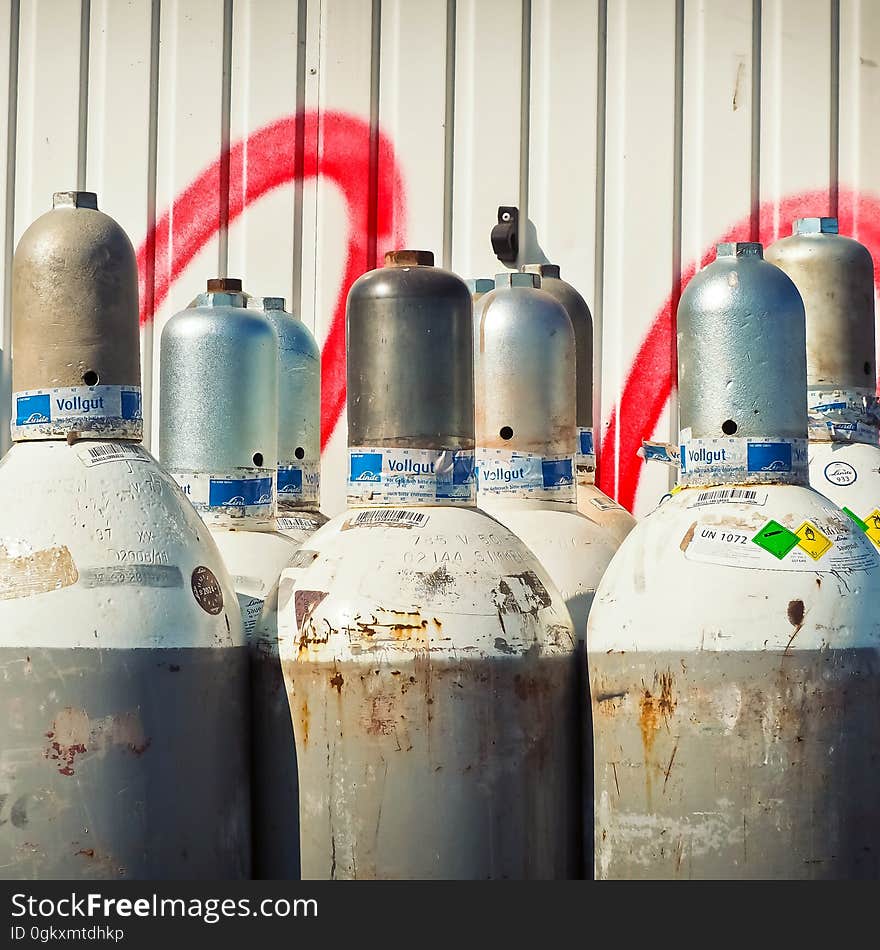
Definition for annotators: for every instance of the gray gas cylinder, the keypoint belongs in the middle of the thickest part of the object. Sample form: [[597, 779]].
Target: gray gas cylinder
[[428, 657], [124, 726], [734, 642], [835, 277]]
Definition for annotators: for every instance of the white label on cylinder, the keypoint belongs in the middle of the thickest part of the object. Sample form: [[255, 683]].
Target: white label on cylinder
[[299, 484], [843, 415], [251, 607], [232, 495], [526, 475], [704, 461], [812, 547], [98, 453], [42, 411], [410, 476]]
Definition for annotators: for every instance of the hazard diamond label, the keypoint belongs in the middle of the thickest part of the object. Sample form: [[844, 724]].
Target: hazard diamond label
[[872, 529], [776, 539], [811, 540]]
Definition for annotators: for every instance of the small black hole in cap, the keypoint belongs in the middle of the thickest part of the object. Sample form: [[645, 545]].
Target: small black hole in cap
[[729, 427], [258, 459], [90, 377], [300, 452], [506, 433]]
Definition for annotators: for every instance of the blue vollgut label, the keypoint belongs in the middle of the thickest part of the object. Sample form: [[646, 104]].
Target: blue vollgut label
[[585, 458], [108, 409], [390, 475], [221, 496], [704, 461], [520, 474], [299, 484]]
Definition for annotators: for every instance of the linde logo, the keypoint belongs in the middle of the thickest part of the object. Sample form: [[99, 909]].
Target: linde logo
[[239, 493], [365, 467], [31, 410], [290, 481]]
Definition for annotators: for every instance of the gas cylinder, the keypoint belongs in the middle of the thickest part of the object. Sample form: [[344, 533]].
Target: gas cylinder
[[592, 502], [276, 825], [734, 642], [218, 432], [835, 277], [428, 657], [524, 375], [123, 654], [299, 422]]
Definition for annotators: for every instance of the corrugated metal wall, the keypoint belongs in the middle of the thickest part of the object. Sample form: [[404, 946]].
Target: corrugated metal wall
[[632, 135]]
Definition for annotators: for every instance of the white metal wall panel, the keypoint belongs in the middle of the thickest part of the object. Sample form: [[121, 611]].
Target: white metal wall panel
[[631, 153], [190, 137], [488, 112], [562, 141], [640, 203], [795, 110], [264, 90]]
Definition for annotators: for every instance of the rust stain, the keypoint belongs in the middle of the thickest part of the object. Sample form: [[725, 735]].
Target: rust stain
[[73, 733], [689, 536], [655, 710], [304, 721], [39, 572], [337, 681], [796, 612], [86, 852], [379, 719]]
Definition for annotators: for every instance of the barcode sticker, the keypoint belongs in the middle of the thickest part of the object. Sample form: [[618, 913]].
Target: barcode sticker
[[286, 523], [391, 516], [98, 453], [719, 496]]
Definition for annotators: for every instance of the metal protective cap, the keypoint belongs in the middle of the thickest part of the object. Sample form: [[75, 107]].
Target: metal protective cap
[[218, 387], [835, 277], [525, 372], [582, 322], [410, 356], [299, 386], [75, 300], [741, 360]]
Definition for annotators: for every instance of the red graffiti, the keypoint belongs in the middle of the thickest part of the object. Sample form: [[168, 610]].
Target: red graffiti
[[332, 145], [651, 378]]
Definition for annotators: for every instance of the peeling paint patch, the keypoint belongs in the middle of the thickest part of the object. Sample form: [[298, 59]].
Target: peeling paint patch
[[26, 573]]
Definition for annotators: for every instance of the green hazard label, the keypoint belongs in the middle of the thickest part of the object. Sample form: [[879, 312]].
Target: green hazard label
[[776, 539], [861, 524]]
